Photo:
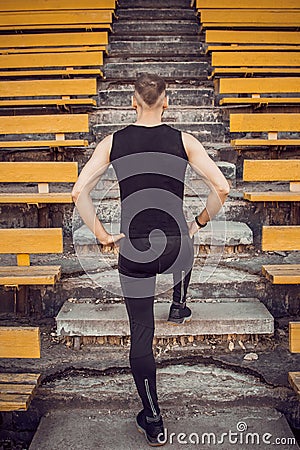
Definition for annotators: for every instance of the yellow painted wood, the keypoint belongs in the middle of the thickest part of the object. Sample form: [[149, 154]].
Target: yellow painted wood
[[20, 378], [243, 143], [17, 389], [294, 380], [247, 4], [274, 85], [30, 275], [265, 122], [69, 71], [271, 170], [271, 24], [36, 198], [251, 17], [77, 26], [56, 123], [252, 37], [252, 48], [247, 59], [252, 70], [47, 172], [30, 88], [20, 342], [84, 48], [53, 39], [281, 238], [258, 101], [23, 259], [31, 240], [14, 402], [282, 274], [271, 196], [50, 143], [10, 20], [44, 102], [294, 337], [44, 5], [40, 60]]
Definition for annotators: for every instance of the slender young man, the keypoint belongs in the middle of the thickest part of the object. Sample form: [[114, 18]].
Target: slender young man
[[150, 160]]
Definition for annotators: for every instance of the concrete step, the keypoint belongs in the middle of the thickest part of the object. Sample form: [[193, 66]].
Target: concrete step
[[156, 28], [154, 4], [120, 71], [219, 318], [217, 233], [150, 48], [188, 39], [166, 14], [201, 96]]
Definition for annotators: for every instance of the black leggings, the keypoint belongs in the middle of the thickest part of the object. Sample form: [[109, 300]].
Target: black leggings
[[139, 262]]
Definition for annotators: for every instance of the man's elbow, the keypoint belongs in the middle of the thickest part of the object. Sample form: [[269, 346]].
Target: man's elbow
[[75, 194], [223, 189]]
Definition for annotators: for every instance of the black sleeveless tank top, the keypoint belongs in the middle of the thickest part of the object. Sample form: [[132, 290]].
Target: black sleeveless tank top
[[150, 165]]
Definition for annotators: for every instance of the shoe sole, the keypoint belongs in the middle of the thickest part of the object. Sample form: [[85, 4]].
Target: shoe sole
[[141, 430], [185, 319]]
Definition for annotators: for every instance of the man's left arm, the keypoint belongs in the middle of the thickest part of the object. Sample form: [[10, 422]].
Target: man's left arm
[[87, 180]]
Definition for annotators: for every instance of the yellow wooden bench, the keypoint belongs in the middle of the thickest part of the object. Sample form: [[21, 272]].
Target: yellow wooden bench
[[247, 4], [246, 18], [41, 124], [47, 92], [45, 5], [42, 173], [281, 238], [278, 37], [17, 389], [56, 19], [269, 123], [273, 170], [256, 87], [26, 241], [294, 346]]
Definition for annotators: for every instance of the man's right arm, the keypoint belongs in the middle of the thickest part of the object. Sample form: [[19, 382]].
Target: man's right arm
[[211, 175]]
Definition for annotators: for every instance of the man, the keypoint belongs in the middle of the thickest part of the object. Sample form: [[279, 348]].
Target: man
[[150, 159]]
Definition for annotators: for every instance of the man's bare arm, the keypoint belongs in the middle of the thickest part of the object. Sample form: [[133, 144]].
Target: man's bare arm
[[211, 174], [86, 181]]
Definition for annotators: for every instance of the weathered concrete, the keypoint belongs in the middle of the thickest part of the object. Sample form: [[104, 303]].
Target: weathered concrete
[[90, 429], [224, 317], [146, 48], [137, 14], [156, 28]]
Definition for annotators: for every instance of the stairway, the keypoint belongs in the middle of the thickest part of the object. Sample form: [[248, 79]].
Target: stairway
[[163, 37]]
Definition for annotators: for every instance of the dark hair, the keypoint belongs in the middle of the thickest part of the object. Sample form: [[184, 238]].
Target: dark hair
[[150, 86]]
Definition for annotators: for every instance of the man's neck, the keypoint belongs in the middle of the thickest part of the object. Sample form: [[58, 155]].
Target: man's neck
[[149, 118]]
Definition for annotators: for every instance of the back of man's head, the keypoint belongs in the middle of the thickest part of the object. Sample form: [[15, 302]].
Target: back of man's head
[[150, 87]]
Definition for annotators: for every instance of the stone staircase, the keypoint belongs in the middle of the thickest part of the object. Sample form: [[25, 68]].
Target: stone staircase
[[163, 37]]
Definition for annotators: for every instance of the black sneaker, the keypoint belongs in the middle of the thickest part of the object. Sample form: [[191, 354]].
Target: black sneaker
[[152, 429], [179, 313]]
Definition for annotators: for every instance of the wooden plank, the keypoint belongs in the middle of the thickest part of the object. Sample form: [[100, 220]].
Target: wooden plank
[[265, 122], [30, 275], [271, 196], [250, 17], [59, 123], [85, 48], [246, 4], [34, 88], [247, 59], [69, 71], [48, 172], [13, 402], [77, 26], [286, 238], [41, 60], [282, 274], [258, 101], [53, 39], [294, 337], [275, 85], [31, 240], [36, 198], [36, 19], [252, 70], [45, 5], [49, 102], [252, 37], [21, 389], [20, 378], [294, 380], [244, 143], [42, 143], [20, 342], [271, 170]]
